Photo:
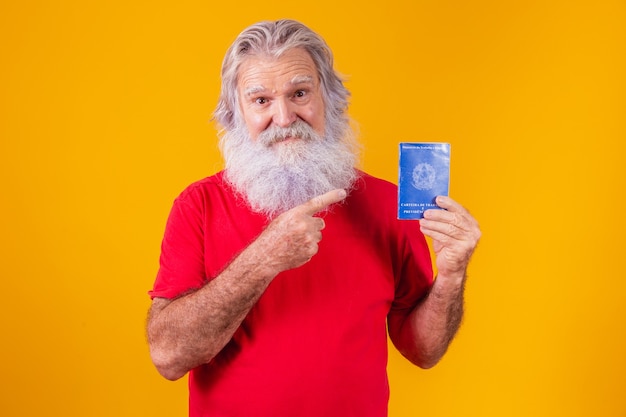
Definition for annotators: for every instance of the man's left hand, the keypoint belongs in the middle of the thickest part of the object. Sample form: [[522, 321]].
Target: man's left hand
[[455, 234]]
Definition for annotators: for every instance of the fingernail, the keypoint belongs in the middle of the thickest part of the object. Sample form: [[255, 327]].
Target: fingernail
[[341, 194]]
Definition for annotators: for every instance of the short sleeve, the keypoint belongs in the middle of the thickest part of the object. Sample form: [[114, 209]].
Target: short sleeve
[[181, 264], [414, 278]]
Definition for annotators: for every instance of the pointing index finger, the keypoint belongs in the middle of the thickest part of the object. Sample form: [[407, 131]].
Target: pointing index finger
[[319, 203]]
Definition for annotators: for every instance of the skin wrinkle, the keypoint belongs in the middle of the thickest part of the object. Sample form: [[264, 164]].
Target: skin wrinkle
[[295, 82], [275, 78]]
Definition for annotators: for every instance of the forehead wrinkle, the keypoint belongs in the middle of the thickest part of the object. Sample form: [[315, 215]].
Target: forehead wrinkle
[[296, 80]]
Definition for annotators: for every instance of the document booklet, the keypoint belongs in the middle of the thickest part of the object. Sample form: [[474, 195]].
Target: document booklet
[[423, 174]]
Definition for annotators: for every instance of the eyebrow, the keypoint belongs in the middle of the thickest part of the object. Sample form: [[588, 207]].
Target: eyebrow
[[298, 79], [302, 79], [255, 89]]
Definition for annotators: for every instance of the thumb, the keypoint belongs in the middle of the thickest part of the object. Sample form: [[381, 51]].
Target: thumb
[[319, 203]]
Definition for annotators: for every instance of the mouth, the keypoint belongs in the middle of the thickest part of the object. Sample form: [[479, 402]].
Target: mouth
[[297, 133], [286, 140]]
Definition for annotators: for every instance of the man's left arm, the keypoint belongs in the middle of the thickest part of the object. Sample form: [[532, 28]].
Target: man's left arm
[[423, 336]]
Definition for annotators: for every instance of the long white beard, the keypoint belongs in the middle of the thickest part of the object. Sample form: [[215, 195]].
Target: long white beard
[[274, 177]]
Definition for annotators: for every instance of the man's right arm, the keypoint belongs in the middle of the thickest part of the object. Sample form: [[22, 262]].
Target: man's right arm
[[189, 331]]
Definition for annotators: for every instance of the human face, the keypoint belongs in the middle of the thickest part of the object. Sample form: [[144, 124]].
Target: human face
[[277, 92]]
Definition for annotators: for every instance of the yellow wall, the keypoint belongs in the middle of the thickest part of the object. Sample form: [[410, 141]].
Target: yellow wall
[[103, 120]]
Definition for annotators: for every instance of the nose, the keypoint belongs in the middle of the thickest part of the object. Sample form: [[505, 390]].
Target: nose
[[284, 112]]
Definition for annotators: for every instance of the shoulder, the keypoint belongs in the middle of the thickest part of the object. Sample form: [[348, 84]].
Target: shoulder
[[371, 204], [376, 192], [203, 196], [207, 185], [371, 184], [212, 197], [199, 193]]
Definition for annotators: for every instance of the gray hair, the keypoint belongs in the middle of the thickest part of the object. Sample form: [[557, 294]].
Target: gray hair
[[273, 38]]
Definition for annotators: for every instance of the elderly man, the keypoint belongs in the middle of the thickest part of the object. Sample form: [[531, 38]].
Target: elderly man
[[280, 275]]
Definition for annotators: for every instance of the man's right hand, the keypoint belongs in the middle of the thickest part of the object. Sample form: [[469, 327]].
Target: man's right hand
[[292, 238]]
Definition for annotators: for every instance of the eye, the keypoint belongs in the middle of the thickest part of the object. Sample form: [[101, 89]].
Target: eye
[[260, 100], [299, 94]]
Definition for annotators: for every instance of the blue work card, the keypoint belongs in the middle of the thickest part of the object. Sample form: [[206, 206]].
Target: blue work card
[[423, 174]]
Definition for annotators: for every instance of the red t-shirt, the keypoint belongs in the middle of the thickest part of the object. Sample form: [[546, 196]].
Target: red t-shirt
[[315, 344]]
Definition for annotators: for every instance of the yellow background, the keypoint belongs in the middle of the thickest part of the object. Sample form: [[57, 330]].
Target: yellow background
[[104, 110]]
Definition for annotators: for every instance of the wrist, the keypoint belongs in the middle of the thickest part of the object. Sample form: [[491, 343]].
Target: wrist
[[453, 279]]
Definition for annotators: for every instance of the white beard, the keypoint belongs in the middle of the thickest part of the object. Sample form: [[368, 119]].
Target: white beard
[[274, 177]]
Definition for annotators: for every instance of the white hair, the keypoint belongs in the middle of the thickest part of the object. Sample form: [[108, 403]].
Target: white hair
[[274, 177]]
